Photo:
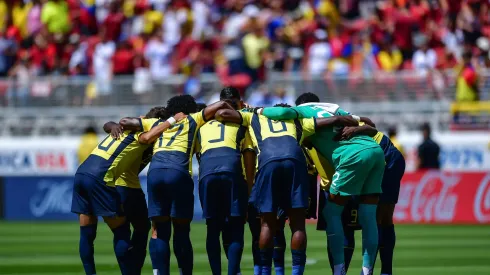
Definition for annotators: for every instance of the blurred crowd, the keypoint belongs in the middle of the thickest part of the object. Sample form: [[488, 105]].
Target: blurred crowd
[[240, 40]]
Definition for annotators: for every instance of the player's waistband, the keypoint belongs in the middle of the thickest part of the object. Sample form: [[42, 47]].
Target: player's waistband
[[171, 160], [215, 164]]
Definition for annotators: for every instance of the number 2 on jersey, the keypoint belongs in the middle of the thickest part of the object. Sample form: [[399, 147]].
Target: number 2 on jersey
[[222, 132], [172, 139]]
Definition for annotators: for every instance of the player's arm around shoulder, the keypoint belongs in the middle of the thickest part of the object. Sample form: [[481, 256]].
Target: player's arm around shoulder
[[155, 132], [336, 121], [210, 111], [280, 113], [230, 115]]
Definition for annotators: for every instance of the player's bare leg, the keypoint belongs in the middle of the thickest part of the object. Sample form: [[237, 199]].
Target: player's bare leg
[[298, 239], [160, 245], [367, 220], [332, 213], [182, 245], [266, 241], [88, 233], [122, 242], [387, 237]]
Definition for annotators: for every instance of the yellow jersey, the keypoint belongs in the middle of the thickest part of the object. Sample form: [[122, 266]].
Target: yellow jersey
[[113, 157], [276, 140], [322, 167], [220, 147], [175, 147]]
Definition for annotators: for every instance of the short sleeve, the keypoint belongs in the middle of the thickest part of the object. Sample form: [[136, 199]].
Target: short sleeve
[[247, 142], [147, 123], [246, 118], [198, 118], [341, 112], [309, 125]]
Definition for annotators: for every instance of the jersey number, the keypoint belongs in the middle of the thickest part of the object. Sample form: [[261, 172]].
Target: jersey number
[[172, 139], [271, 126], [105, 148], [222, 132]]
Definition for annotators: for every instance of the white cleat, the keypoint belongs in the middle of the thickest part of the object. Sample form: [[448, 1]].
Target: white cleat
[[367, 271]]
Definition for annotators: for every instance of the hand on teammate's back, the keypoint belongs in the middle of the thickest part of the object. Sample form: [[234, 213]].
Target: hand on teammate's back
[[179, 116], [346, 133], [116, 131]]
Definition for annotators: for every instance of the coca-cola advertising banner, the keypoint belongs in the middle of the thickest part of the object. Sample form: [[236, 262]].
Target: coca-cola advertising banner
[[443, 197]]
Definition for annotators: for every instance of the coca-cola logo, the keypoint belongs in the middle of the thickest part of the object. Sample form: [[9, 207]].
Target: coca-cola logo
[[433, 199], [52, 197], [481, 206]]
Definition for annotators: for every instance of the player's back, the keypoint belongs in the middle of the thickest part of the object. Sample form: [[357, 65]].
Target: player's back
[[174, 148], [220, 147], [112, 157], [389, 149], [275, 140]]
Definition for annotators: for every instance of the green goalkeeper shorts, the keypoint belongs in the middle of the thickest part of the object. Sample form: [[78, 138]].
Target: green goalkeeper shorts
[[358, 172]]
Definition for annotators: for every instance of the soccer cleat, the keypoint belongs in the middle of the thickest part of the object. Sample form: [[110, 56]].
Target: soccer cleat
[[367, 271]]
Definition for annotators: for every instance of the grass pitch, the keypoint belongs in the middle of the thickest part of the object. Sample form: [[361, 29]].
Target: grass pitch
[[52, 248]]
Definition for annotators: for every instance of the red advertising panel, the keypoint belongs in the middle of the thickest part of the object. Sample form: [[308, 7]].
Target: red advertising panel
[[442, 197]]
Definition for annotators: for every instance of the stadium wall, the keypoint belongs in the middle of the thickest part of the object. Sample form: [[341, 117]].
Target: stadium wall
[[36, 178]]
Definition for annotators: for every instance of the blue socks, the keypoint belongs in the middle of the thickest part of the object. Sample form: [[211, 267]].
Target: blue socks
[[387, 240], [279, 251], [235, 249], [335, 233], [86, 249], [122, 243], [213, 247], [183, 248], [266, 260], [160, 248], [139, 241], [299, 261], [367, 219]]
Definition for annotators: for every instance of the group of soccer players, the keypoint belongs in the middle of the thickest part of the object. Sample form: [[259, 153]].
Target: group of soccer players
[[255, 164]]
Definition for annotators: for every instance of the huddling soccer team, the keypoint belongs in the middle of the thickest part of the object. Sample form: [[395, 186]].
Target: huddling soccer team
[[256, 165]]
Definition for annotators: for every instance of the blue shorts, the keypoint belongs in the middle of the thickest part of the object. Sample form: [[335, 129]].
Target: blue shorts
[[170, 193], [223, 195], [392, 178], [93, 197], [281, 184], [134, 205]]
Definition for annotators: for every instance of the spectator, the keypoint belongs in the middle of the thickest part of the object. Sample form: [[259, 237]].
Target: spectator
[[21, 74], [392, 134], [390, 58], [55, 16], [113, 22], [102, 62], [157, 53], [152, 20], [467, 81], [8, 52], [192, 85], [4, 16], [43, 54], [319, 54], [237, 19], [260, 97], [78, 63], [20, 13], [424, 59], [142, 79], [428, 151], [294, 55], [88, 143], [282, 95], [123, 59], [255, 45], [34, 23]]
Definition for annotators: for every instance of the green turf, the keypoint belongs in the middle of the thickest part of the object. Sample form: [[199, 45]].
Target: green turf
[[52, 248]]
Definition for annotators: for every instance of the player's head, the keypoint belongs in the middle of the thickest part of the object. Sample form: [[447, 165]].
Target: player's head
[[232, 96], [200, 106], [181, 104], [90, 130], [425, 128], [392, 131], [157, 112], [307, 98], [282, 105]]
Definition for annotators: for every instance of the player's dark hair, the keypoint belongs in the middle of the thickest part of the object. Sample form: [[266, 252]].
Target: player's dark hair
[[391, 131], [90, 130], [181, 104], [307, 98], [282, 105], [201, 106], [158, 112], [228, 93]]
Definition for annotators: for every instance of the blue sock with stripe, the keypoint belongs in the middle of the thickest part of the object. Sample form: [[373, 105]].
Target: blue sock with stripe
[[88, 234], [160, 248], [279, 251], [236, 245], [299, 261], [213, 246], [266, 260], [122, 243], [183, 248], [139, 241]]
